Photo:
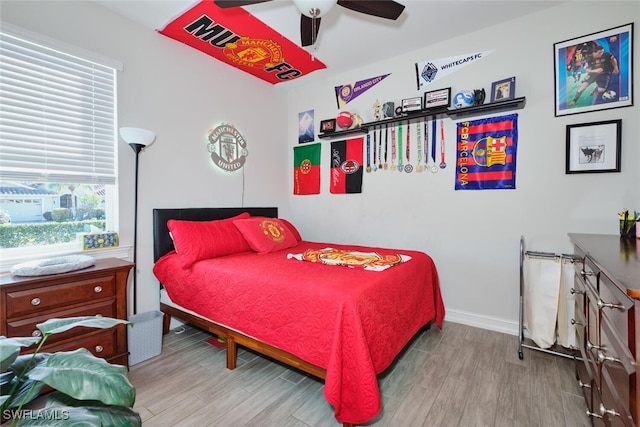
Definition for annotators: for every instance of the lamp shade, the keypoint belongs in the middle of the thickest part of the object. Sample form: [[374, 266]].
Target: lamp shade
[[314, 8], [137, 136]]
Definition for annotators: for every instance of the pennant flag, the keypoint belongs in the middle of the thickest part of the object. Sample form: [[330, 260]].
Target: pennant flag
[[346, 166], [486, 153], [349, 92], [429, 71], [306, 169], [238, 38]]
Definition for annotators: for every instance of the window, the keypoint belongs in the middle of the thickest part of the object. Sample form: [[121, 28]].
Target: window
[[58, 144]]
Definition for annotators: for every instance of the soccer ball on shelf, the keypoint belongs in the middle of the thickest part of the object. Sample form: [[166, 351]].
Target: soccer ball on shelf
[[344, 120], [464, 98], [609, 95]]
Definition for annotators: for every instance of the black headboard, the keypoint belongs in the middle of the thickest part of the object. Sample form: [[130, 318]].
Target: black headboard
[[162, 242]]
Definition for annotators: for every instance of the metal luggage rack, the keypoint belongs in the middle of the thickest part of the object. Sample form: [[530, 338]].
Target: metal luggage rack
[[556, 349]]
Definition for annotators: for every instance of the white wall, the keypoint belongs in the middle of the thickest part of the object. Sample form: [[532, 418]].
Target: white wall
[[473, 236], [180, 94]]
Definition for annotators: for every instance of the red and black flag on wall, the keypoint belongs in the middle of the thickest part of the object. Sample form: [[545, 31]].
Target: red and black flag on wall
[[346, 166], [306, 169], [486, 153]]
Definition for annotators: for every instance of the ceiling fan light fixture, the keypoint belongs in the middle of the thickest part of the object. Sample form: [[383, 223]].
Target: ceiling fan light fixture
[[314, 8]]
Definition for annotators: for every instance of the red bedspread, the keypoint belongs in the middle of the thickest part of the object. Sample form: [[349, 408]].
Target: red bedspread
[[351, 322]]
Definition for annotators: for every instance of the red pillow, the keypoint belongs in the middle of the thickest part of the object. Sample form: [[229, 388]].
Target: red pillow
[[266, 235], [198, 240], [293, 229]]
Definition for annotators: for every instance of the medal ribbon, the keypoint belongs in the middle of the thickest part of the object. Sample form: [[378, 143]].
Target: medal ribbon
[[379, 148], [426, 141], [408, 142], [386, 144], [434, 131], [442, 143], [393, 144], [419, 138], [400, 144], [368, 152], [374, 150]]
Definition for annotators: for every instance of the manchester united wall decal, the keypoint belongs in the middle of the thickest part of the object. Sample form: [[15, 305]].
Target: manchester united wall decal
[[227, 147]]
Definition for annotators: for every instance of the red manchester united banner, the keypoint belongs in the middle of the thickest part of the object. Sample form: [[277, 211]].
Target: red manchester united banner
[[240, 39]]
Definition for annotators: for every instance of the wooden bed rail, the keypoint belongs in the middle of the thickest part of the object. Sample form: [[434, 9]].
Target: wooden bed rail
[[235, 338]]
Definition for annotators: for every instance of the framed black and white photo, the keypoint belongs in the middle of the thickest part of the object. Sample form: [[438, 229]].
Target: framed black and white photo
[[593, 147], [594, 72], [328, 125], [437, 98], [503, 90]]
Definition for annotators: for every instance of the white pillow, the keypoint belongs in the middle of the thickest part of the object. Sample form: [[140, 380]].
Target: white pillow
[[57, 265]]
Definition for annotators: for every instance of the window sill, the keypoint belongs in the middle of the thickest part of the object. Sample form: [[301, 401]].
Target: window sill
[[123, 252]]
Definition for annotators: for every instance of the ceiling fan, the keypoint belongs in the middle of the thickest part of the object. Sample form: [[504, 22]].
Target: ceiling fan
[[312, 10]]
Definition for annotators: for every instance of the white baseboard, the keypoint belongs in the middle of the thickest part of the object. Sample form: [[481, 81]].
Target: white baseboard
[[481, 321]]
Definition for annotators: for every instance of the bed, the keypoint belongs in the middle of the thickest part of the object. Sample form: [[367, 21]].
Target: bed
[[342, 325]]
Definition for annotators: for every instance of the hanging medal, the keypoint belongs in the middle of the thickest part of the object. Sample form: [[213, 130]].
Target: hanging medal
[[425, 128], [442, 163], [375, 168], [419, 144], [400, 166], [432, 160], [393, 147], [379, 148], [408, 167], [368, 169], [386, 146]]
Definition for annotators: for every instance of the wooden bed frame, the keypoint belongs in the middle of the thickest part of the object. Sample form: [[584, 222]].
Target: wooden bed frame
[[163, 244]]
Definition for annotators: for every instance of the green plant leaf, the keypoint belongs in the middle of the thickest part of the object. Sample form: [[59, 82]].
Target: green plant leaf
[[114, 416], [27, 391], [56, 326], [83, 376], [10, 349]]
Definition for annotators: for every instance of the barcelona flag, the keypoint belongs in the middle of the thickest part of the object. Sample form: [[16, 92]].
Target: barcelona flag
[[486, 153], [306, 169], [346, 166]]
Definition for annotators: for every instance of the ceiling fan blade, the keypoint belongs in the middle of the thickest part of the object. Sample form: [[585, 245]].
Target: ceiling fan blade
[[388, 9], [307, 32], [225, 4]]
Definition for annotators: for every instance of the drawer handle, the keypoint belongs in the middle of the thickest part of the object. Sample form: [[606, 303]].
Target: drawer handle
[[602, 357], [593, 414], [583, 385], [36, 333], [602, 304], [97, 289], [592, 346], [586, 273], [604, 411], [99, 349], [35, 301], [574, 322], [573, 291]]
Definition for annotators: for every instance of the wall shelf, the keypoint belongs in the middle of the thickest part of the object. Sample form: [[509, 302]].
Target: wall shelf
[[454, 114]]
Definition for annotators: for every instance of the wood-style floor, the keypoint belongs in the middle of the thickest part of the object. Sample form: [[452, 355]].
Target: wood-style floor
[[458, 376]]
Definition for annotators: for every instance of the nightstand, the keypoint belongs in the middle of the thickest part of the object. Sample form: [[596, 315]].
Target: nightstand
[[97, 290]]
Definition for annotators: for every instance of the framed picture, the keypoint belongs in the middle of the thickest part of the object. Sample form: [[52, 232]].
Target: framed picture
[[412, 104], [594, 72], [305, 127], [437, 98], [328, 125], [594, 147], [503, 89]]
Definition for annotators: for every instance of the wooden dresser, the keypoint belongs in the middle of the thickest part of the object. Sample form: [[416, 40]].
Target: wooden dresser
[[607, 294], [97, 290]]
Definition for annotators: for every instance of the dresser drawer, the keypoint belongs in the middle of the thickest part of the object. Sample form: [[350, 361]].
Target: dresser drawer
[[615, 305], [102, 343], [22, 303], [615, 407], [27, 327]]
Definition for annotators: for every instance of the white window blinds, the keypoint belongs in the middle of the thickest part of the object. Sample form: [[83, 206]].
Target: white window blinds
[[57, 115]]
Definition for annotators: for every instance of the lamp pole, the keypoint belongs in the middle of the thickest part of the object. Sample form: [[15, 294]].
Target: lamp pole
[[136, 149]]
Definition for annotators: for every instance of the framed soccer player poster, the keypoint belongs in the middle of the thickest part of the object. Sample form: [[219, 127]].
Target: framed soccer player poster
[[594, 72]]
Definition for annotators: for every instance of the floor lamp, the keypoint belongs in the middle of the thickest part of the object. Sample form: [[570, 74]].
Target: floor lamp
[[137, 140]]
